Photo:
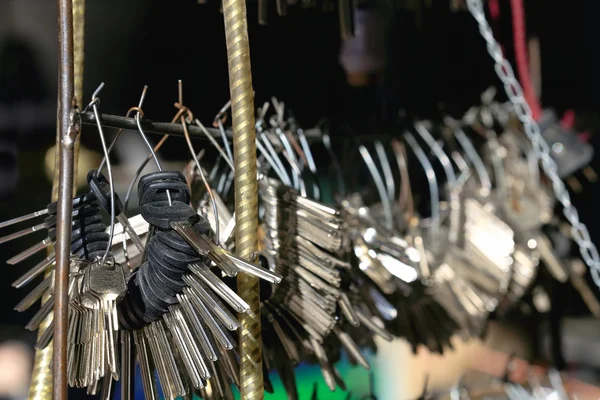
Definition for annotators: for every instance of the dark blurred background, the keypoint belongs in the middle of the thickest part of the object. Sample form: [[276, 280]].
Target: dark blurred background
[[436, 60]]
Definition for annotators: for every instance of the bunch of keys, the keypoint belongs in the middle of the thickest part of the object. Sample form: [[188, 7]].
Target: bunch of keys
[[396, 280], [312, 309], [93, 325], [176, 308]]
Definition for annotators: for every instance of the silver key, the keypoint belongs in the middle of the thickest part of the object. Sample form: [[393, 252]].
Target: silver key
[[192, 318], [102, 286], [24, 218], [146, 366], [229, 263], [127, 365], [24, 255], [184, 350], [218, 334], [219, 287], [34, 272], [35, 294]]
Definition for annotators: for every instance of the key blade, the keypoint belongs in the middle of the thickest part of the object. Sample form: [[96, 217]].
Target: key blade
[[555, 266], [204, 246], [197, 327], [46, 337], [347, 310], [219, 287], [123, 220], [22, 233], [146, 366], [34, 295], [253, 269], [216, 306], [23, 218], [372, 326], [24, 255], [326, 369], [107, 388], [41, 315], [127, 366], [33, 272]]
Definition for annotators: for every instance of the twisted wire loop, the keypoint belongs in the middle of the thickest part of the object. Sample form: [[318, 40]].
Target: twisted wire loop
[[579, 231], [246, 192]]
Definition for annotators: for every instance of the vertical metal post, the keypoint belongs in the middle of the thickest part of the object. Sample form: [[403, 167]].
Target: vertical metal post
[[41, 378], [68, 131], [246, 191]]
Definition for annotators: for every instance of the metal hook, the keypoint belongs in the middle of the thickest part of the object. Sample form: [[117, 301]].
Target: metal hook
[[406, 197], [475, 159], [274, 156], [431, 179], [143, 135], [310, 161], [157, 147], [214, 142], [336, 164], [379, 183], [386, 169], [280, 173], [197, 161], [438, 152], [94, 105], [290, 156]]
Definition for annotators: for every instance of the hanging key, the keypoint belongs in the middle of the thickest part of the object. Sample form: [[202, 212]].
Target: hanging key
[[102, 286]]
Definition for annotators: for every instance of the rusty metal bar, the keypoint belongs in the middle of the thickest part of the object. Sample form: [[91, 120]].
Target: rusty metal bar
[[68, 131], [41, 378]]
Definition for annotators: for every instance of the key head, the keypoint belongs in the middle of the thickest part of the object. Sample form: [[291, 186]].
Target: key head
[[153, 311], [130, 311], [163, 296], [169, 255], [78, 202], [161, 214], [160, 264], [89, 224], [174, 240], [173, 285], [92, 250], [153, 187], [88, 238], [103, 282], [100, 186]]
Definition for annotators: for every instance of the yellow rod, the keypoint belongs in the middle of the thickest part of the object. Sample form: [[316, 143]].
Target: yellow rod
[[246, 192]]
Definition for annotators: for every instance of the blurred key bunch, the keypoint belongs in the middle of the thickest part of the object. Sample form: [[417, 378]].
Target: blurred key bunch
[[296, 205]]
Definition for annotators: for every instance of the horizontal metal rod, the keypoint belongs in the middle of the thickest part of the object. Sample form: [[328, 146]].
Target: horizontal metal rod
[[159, 128], [162, 128]]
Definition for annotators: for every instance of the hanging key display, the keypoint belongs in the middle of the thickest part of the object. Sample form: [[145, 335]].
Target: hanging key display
[[335, 277]]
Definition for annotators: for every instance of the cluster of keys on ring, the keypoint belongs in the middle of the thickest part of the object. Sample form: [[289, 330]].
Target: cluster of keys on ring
[[157, 288]]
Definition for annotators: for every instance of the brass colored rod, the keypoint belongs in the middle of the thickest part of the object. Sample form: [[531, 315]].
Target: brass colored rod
[[78, 68], [246, 192]]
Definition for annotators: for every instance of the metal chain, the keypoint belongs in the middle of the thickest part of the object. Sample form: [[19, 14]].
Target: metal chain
[[579, 231]]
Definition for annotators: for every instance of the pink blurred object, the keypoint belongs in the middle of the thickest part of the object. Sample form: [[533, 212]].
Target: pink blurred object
[[494, 9], [568, 119], [365, 52]]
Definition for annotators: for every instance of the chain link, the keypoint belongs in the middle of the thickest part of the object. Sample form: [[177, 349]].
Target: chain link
[[579, 231]]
